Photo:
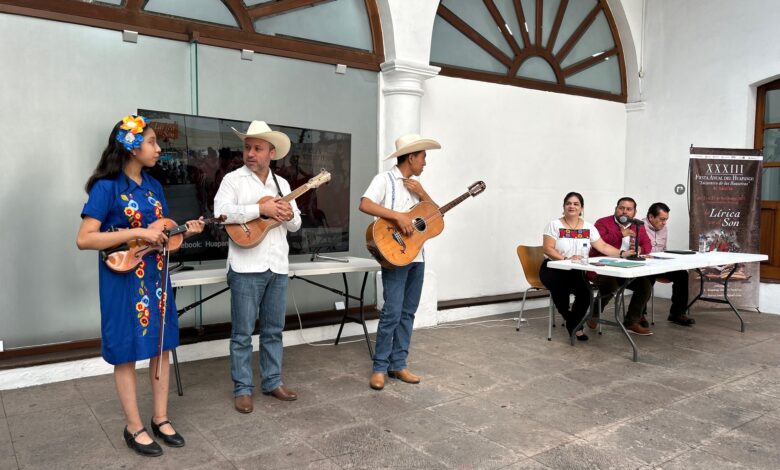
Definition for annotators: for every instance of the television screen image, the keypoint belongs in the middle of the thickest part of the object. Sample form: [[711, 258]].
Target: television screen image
[[197, 152]]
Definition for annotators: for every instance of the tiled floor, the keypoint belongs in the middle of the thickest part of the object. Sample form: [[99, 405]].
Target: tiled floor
[[703, 397]]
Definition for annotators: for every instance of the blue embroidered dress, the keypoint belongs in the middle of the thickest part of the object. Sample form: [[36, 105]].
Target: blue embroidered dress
[[130, 303]]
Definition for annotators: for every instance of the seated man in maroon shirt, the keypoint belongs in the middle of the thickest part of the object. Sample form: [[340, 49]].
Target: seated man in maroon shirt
[[655, 223], [622, 236]]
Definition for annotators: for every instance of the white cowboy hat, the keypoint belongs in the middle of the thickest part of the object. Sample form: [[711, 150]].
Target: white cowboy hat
[[260, 130], [411, 143]]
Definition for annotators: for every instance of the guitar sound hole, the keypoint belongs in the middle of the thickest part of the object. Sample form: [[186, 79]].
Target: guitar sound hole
[[419, 224]]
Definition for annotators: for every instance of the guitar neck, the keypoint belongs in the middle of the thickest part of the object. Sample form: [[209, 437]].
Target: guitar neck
[[297, 193], [183, 228], [443, 209]]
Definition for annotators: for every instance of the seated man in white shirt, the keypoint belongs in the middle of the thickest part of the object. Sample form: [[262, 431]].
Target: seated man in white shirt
[[657, 217], [257, 276]]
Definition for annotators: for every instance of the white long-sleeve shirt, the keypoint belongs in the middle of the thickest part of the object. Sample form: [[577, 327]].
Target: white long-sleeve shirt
[[237, 200]]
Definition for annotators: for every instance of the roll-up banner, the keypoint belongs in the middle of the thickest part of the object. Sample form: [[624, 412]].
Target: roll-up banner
[[725, 209]]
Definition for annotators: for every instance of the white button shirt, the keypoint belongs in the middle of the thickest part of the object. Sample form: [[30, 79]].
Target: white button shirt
[[237, 200], [387, 189]]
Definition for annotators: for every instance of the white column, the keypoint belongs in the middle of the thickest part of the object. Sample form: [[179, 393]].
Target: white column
[[402, 91]]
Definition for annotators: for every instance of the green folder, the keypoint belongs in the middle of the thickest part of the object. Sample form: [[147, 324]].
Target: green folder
[[619, 263]]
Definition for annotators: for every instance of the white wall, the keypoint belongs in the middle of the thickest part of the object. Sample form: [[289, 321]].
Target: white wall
[[703, 60], [531, 148]]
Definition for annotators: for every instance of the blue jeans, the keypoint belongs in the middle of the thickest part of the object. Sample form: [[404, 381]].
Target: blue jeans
[[252, 293], [402, 290]]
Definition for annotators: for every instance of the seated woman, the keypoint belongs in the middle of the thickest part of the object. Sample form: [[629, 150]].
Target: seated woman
[[569, 238]]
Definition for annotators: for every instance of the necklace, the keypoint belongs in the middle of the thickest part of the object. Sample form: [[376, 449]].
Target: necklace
[[575, 225]]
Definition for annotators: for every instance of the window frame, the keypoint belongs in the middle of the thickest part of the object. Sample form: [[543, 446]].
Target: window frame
[[546, 52], [770, 209], [131, 16]]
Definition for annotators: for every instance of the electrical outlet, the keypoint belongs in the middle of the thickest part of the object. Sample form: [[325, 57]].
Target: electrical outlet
[[339, 305], [1, 345]]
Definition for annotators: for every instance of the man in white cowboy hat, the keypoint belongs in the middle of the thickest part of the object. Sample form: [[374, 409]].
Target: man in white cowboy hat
[[257, 276], [390, 195]]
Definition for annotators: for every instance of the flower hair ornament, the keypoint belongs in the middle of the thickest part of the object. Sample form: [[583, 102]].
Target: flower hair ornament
[[131, 131]]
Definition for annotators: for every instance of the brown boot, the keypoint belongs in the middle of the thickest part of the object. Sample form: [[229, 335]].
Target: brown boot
[[404, 375], [243, 404], [377, 381], [638, 329]]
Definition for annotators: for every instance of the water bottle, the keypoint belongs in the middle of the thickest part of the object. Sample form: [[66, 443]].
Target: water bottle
[[702, 244], [584, 252]]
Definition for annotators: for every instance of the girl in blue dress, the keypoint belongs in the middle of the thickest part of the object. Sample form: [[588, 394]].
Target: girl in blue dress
[[123, 201]]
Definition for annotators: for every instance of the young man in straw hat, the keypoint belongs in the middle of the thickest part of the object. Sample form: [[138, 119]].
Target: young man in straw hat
[[258, 276], [390, 195]]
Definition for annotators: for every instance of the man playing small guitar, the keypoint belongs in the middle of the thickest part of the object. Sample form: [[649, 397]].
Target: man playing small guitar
[[390, 195], [257, 275]]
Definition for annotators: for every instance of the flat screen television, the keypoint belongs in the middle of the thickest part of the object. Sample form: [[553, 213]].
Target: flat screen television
[[197, 152]]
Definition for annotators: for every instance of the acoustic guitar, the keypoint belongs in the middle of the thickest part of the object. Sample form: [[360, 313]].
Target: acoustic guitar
[[393, 249], [250, 234], [127, 256]]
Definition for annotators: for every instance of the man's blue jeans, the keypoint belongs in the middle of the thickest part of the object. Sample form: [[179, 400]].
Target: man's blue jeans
[[252, 293], [402, 289]]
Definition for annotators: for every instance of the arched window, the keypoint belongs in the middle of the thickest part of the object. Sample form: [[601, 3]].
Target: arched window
[[566, 46], [768, 139], [338, 32]]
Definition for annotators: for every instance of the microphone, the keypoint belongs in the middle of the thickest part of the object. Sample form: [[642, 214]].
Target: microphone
[[628, 220]]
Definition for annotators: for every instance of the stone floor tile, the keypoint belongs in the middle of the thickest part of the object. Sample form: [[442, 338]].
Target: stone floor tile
[[42, 426], [745, 449], [473, 413], [523, 435], [746, 399], [676, 426], [369, 446], [429, 392], [281, 457], [421, 427], [580, 455], [43, 397], [7, 457], [5, 434], [377, 406], [699, 460], [308, 422], [706, 409], [248, 438], [527, 464], [471, 451], [647, 393], [472, 381]]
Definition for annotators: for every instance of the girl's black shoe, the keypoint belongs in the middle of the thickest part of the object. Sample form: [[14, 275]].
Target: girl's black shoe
[[147, 450], [171, 440]]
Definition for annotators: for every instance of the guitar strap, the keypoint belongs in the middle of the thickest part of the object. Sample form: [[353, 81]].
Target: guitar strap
[[278, 189], [392, 190]]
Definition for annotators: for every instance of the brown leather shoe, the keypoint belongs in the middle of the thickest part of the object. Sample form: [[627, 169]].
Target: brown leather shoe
[[282, 393], [377, 381], [404, 375], [592, 323], [638, 329], [243, 404]]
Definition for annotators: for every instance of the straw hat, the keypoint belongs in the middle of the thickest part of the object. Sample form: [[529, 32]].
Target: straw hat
[[260, 130], [411, 143]]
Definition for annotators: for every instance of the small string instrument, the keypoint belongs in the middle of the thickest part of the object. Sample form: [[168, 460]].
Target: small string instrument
[[393, 249], [127, 256], [250, 234]]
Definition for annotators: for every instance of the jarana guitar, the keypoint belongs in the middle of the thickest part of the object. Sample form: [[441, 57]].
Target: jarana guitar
[[250, 234], [393, 249], [127, 256]]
